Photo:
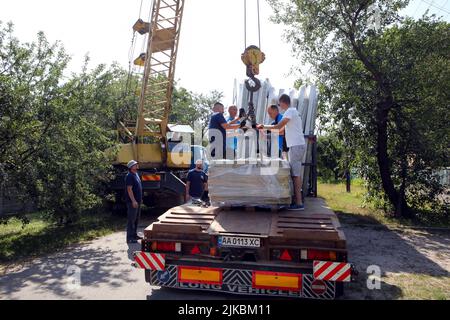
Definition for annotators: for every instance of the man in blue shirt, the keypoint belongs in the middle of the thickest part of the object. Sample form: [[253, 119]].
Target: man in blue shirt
[[276, 116], [217, 131], [133, 197], [197, 182], [231, 145]]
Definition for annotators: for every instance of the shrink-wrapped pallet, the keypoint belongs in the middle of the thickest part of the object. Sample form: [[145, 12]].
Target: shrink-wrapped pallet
[[250, 182]]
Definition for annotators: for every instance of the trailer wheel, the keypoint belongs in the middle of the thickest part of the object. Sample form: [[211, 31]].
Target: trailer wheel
[[147, 276], [149, 200], [339, 289]]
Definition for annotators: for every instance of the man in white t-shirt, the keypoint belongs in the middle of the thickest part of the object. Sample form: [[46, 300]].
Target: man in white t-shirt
[[295, 142]]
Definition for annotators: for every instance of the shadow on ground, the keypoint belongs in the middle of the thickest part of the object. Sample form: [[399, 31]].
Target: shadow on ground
[[106, 272], [103, 265]]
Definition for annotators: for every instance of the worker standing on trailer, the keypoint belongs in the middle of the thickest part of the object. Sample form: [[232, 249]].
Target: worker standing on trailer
[[133, 196], [197, 183], [295, 140], [217, 130]]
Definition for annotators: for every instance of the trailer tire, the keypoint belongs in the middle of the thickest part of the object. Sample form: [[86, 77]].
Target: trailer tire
[[147, 276], [339, 289]]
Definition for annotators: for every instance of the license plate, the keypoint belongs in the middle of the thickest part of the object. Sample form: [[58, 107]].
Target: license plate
[[239, 242]]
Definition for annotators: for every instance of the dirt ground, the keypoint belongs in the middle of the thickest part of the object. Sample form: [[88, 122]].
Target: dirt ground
[[414, 264]]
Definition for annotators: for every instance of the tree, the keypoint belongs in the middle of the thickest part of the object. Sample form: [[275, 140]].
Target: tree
[[183, 110], [372, 66], [330, 157], [203, 104], [54, 128]]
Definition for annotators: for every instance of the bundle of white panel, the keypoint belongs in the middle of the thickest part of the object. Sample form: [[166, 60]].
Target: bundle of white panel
[[309, 129], [260, 99], [304, 100]]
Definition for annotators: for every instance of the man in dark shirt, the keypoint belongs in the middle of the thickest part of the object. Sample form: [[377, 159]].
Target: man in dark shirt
[[217, 130], [197, 182], [133, 196]]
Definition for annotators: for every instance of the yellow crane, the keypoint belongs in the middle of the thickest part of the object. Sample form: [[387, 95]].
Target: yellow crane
[[163, 150], [150, 134]]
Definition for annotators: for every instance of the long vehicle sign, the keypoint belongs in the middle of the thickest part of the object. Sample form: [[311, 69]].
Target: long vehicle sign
[[239, 242]]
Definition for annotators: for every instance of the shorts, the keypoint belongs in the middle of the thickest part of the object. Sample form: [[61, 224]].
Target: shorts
[[296, 154]]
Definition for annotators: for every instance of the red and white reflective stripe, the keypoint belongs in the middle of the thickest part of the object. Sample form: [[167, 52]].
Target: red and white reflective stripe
[[148, 260], [332, 271]]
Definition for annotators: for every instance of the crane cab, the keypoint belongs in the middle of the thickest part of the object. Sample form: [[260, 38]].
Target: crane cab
[[179, 153], [148, 151]]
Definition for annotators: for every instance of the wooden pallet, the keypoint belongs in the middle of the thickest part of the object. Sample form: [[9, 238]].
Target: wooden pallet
[[317, 226], [184, 220]]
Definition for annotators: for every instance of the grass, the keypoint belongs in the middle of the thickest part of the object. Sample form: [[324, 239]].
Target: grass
[[40, 236], [353, 208], [402, 286], [420, 286]]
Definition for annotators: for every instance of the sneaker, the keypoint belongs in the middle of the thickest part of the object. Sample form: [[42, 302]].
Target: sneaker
[[296, 207], [138, 237]]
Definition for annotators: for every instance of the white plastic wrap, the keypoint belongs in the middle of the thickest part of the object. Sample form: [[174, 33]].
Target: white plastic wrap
[[250, 182]]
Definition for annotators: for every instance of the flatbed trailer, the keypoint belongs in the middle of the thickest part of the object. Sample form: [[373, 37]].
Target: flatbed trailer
[[248, 251]]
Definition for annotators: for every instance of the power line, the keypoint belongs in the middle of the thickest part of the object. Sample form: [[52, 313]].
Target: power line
[[431, 4], [443, 6], [417, 8]]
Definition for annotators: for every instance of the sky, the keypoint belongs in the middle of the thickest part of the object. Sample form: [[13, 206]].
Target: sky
[[211, 42]]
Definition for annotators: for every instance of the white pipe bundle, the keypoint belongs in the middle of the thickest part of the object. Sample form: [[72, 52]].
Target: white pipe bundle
[[225, 184]]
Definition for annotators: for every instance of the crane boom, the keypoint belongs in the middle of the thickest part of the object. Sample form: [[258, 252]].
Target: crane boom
[[160, 59]]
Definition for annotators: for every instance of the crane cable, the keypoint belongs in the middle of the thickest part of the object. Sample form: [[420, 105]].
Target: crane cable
[[259, 25], [131, 68], [245, 24], [145, 40]]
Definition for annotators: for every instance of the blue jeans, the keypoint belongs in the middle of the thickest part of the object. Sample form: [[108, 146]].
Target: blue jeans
[[133, 215]]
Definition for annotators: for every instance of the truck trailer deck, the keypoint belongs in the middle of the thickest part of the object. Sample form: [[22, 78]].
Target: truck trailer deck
[[252, 251]]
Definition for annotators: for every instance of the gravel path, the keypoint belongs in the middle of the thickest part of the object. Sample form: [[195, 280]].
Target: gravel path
[[416, 261]]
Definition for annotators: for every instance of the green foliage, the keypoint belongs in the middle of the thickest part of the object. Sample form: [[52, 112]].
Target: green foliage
[[193, 109], [330, 157], [40, 236], [203, 104], [183, 109], [54, 129], [384, 85]]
